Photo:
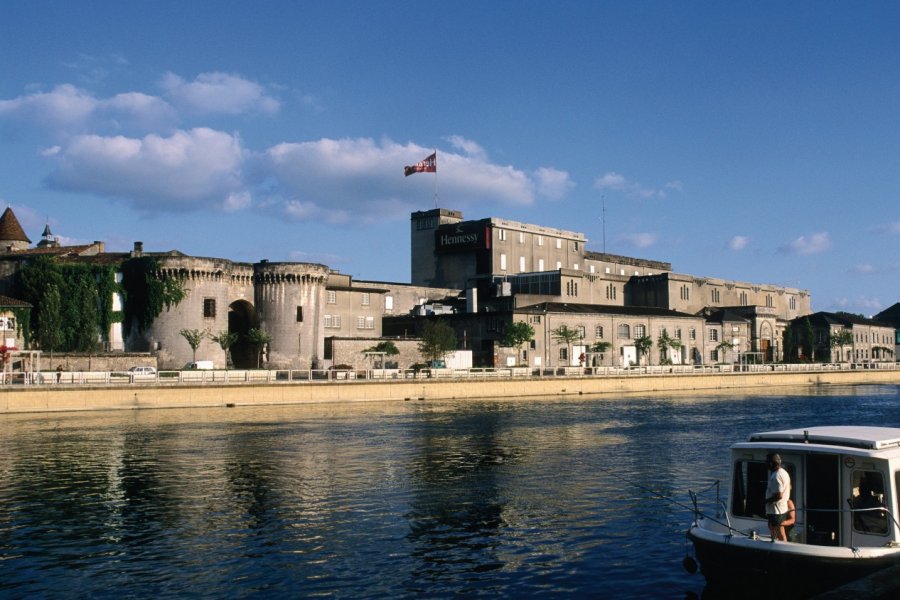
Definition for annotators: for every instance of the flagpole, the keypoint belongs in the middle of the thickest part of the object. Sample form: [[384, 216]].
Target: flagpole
[[435, 179]]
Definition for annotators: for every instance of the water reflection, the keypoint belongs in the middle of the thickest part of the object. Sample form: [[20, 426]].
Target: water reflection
[[497, 498]]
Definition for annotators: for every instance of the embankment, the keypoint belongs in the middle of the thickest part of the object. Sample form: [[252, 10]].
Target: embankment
[[146, 396]]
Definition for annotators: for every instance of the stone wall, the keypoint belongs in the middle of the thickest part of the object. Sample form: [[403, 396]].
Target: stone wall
[[350, 351], [97, 362]]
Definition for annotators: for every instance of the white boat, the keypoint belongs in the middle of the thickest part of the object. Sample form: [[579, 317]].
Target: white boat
[[845, 490]]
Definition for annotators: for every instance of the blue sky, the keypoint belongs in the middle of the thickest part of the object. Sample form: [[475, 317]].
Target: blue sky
[[752, 141]]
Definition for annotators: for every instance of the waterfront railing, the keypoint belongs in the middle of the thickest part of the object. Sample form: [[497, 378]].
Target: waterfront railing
[[300, 376]]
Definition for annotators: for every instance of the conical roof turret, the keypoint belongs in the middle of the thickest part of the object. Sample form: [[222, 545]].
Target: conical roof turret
[[11, 233]]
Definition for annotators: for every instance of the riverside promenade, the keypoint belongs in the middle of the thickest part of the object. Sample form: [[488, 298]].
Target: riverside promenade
[[193, 389]]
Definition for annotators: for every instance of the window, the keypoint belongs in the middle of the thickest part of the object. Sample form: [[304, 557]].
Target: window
[[591, 269], [540, 264], [692, 333], [750, 478], [501, 234], [868, 494], [563, 354], [769, 302], [502, 262], [580, 330], [388, 303], [366, 299], [598, 331], [299, 314], [540, 240], [521, 264], [610, 292], [537, 319], [558, 265], [209, 308], [365, 322], [639, 331], [575, 266], [558, 243], [685, 293], [332, 297], [715, 295], [623, 331], [678, 333], [743, 299], [521, 237], [714, 335], [792, 303], [333, 321]]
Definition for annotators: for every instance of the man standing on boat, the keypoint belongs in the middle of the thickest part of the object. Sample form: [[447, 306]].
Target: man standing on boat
[[777, 493]]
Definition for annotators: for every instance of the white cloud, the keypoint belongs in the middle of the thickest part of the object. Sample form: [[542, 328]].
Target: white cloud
[[66, 106], [470, 148], [864, 268], [68, 109], [638, 240], [219, 93], [814, 244], [150, 111], [619, 183], [553, 183], [360, 179], [892, 228], [199, 167], [738, 242]]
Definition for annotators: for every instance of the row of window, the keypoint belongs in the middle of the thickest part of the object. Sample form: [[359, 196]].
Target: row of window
[[538, 239], [334, 322]]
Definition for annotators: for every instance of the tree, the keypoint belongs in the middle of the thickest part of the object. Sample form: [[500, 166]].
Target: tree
[[841, 338], [807, 341], [438, 339], [516, 334], [225, 339], [643, 345], [193, 337], [789, 344], [258, 339], [50, 320], [147, 293], [384, 348], [664, 342], [724, 347], [566, 335], [601, 347]]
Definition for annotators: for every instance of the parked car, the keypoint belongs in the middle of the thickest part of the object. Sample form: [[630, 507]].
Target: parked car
[[142, 371]]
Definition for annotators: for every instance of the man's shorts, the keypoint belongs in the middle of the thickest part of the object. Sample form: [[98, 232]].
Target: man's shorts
[[777, 520]]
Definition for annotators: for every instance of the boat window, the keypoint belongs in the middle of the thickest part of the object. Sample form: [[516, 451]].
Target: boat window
[[868, 498], [748, 487]]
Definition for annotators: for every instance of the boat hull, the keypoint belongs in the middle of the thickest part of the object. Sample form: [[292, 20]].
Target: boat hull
[[802, 570]]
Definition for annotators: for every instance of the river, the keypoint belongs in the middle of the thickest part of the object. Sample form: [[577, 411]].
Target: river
[[557, 497]]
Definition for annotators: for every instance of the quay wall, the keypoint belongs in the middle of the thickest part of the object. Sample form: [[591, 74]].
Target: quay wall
[[154, 396]]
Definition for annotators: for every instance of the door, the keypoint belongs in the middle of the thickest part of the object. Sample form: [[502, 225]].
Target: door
[[822, 506]]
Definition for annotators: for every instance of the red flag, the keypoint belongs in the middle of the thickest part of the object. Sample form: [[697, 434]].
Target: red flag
[[429, 165]]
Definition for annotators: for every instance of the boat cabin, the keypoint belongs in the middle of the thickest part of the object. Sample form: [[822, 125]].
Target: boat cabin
[[844, 483]]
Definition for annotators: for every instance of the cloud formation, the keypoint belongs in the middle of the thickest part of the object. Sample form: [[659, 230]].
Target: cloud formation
[[638, 240], [130, 147], [219, 93], [199, 167], [814, 244], [738, 242], [619, 183]]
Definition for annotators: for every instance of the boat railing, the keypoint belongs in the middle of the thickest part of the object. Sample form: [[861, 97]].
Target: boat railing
[[882, 510]]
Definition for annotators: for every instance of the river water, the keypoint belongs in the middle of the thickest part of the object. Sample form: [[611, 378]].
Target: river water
[[477, 498]]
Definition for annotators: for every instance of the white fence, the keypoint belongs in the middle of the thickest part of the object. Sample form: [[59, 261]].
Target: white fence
[[238, 376]]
